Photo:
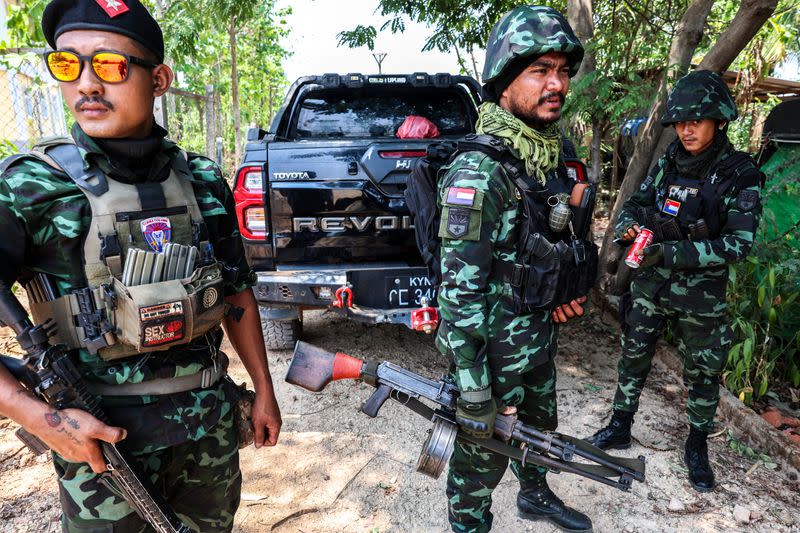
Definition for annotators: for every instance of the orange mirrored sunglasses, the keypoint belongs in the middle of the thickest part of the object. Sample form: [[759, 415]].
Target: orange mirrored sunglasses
[[110, 67]]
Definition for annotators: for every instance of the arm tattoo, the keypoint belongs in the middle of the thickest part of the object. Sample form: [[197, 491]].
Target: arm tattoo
[[53, 419]]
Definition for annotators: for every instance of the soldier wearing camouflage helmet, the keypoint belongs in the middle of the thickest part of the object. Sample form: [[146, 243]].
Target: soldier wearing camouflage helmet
[[701, 200], [71, 213], [501, 357]]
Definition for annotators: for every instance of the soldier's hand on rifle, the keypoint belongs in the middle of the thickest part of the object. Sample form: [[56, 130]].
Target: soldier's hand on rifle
[[75, 436], [266, 419], [564, 312], [477, 419]]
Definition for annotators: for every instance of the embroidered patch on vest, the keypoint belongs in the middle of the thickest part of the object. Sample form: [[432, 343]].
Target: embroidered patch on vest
[[457, 222], [162, 323], [747, 200], [682, 193], [646, 183], [671, 207], [157, 232], [461, 196]]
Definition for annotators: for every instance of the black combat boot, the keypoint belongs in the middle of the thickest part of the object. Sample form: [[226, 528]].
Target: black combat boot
[[616, 435], [536, 501], [696, 458]]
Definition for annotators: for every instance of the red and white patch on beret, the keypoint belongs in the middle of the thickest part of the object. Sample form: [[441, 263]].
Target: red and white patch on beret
[[113, 7]]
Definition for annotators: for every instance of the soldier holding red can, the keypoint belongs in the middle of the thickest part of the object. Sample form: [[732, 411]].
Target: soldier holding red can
[[699, 206]]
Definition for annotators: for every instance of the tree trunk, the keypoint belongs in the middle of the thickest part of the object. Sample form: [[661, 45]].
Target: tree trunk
[[615, 160], [579, 15], [595, 152], [237, 134], [475, 66], [687, 37]]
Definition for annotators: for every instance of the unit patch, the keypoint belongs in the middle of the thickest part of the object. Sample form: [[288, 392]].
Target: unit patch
[[210, 297], [162, 323], [157, 232], [113, 7], [682, 193], [461, 196], [747, 200], [457, 222], [671, 207]]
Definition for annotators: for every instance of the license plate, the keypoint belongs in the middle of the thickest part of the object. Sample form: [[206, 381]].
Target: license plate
[[408, 291]]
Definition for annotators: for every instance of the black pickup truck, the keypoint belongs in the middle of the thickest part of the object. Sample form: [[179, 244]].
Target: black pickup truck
[[320, 203]]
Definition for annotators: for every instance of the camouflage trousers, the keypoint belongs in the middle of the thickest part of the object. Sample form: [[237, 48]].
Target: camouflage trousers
[[200, 480], [697, 318], [476, 471]]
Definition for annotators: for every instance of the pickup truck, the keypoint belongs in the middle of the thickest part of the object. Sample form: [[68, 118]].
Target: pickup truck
[[319, 198]]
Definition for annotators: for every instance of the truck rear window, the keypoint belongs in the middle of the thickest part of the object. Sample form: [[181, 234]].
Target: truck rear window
[[379, 113]]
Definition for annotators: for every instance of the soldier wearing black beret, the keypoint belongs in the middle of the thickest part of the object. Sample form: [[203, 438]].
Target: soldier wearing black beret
[[161, 383]]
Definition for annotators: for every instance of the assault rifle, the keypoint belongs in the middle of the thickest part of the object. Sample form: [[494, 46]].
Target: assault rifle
[[49, 373], [312, 368]]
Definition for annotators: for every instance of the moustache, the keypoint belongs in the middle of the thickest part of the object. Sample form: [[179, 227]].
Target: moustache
[[545, 96], [93, 100]]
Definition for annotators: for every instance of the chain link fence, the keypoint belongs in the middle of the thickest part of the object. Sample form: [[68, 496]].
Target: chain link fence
[[31, 106], [193, 121]]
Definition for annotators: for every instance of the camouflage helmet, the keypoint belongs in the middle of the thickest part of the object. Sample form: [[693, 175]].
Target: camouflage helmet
[[699, 94], [530, 31]]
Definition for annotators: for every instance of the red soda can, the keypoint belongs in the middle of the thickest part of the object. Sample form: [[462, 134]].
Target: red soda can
[[643, 240]]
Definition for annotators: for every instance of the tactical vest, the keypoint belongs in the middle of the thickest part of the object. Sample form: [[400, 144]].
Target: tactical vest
[[132, 226], [687, 208], [551, 267]]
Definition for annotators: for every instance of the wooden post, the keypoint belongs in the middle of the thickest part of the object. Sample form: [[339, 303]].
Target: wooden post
[[160, 111], [211, 121]]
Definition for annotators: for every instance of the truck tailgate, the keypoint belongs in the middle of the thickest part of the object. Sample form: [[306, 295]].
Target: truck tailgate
[[339, 201]]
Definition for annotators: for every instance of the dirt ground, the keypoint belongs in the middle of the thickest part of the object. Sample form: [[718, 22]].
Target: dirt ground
[[336, 470]]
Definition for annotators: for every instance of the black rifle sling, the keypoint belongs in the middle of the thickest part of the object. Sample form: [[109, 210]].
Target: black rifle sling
[[68, 157]]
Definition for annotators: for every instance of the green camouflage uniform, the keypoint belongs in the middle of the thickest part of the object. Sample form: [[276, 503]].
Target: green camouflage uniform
[[185, 440], [688, 291], [489, 344]]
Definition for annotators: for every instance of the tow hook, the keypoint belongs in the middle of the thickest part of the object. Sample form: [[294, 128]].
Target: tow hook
[[343, 297], [425, 318]]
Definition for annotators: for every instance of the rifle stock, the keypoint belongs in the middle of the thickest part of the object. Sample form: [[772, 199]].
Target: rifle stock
[[313, 368]]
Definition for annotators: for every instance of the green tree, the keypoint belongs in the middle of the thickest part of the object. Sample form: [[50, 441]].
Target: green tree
[[243, 42]]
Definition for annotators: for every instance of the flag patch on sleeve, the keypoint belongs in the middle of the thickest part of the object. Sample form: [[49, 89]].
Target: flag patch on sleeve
[[461, 196], [671, 207]]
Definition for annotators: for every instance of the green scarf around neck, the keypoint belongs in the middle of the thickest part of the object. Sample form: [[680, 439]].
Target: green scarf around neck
[[539, 149]]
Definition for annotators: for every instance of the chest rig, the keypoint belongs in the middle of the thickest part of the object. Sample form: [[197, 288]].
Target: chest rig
[[152, 280], [688, 208], [556, 260]]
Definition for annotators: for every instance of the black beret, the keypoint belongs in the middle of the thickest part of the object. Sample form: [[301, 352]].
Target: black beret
[[126, 17]]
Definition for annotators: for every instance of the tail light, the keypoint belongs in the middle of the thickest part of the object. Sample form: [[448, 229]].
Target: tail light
[[401, 154], [576, 169], [248, 193]]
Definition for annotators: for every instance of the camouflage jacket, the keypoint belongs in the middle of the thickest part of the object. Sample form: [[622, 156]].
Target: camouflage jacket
[[738, 221], [45, 218], [479, 330]]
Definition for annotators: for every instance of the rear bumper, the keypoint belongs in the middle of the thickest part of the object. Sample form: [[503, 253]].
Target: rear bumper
[[284, 292]]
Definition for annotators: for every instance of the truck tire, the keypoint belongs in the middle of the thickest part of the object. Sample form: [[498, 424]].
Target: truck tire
[[281, 334]]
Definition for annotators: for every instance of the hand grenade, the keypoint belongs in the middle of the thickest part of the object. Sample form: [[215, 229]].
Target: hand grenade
[[560, 213]]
